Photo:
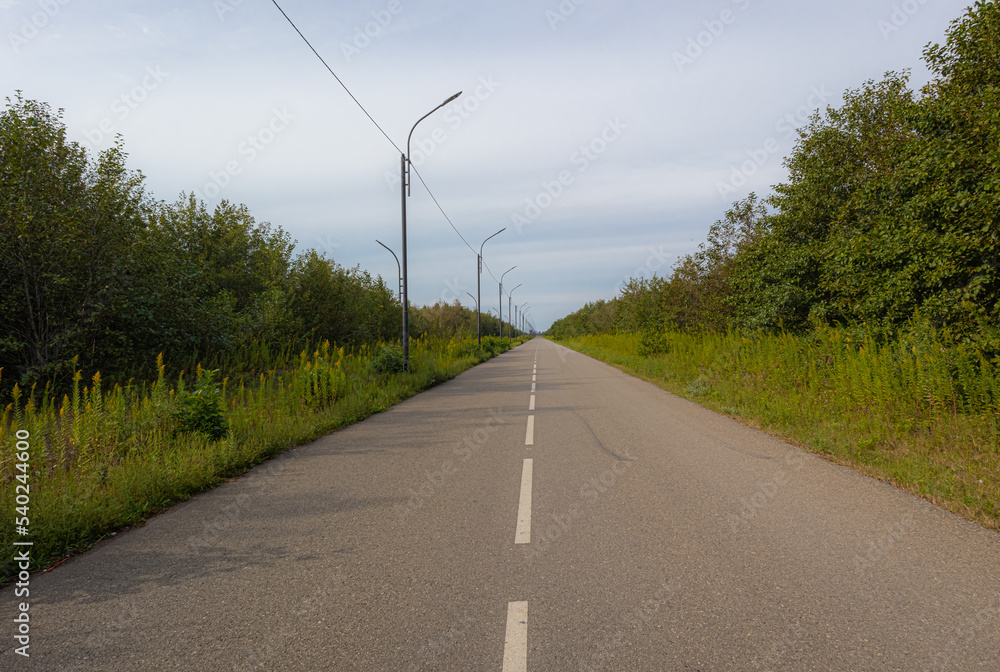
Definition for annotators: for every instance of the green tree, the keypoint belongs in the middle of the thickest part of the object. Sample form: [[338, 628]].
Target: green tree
[[65, 223], [342, 305]]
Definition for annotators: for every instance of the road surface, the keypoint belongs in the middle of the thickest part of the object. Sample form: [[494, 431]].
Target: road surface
[[542, 511]]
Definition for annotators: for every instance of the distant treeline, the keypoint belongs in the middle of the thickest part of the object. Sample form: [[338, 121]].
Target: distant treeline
[[94, 268], [890, 216]]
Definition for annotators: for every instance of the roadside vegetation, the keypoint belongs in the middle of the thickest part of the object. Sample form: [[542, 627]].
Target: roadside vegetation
[[856, 310], [149, 350], [104, 458]]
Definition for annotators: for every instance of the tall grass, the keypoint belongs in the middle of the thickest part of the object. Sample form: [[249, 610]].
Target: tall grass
[[922, 412], [101, 459]]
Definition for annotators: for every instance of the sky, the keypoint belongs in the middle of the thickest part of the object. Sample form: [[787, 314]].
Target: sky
[[606, 136]]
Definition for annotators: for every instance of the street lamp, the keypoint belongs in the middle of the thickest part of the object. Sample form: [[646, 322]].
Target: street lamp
[[510, 297], [399, 269], [501, 297], [479, 277], [520, 312], [404, 164]]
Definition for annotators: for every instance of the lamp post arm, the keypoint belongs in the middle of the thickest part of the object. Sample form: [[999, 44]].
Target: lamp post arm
[[410, 136], [398, 267], [485, 241]]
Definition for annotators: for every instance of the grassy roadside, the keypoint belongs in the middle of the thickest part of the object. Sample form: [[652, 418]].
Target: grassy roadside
[[101, 460], [917, 414]]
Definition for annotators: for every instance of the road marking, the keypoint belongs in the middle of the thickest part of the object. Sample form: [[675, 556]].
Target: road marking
[[532, 377], [529, 433], [515, 645], [532, 387], [523, 533], [531, 404]]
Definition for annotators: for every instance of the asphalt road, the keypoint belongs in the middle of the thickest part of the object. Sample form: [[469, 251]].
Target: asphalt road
[[583, 520]]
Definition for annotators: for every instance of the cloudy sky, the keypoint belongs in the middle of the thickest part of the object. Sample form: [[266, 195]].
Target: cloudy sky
[[605, 135]]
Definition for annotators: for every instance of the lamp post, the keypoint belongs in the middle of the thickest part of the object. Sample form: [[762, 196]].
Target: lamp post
[[479, 277], [520, 312], [501, 297], [399, 269], [404, 170], [510, 297]]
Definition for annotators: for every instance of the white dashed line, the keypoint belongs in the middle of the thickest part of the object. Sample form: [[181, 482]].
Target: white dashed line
[[532, 387], [531, 404], [515, 645], [529, 433], [523, 533]]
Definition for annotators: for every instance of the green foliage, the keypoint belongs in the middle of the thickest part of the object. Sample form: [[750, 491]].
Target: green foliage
[[65, 225], [597, 317], [200, 410], [652, 342], [343, 305], [388, 359], [99, 271], [890, 208], [888, 217], [103, 457], [922, 412]]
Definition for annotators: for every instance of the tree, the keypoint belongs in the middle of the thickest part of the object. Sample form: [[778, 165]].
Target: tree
[[64, 224]]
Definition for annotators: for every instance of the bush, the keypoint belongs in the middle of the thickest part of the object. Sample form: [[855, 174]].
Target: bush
[[652, 343], [389, 359], [201, 410]]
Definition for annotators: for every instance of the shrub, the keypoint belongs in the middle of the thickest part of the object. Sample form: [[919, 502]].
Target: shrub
[[388, 359], [201, 410], [652, 343]]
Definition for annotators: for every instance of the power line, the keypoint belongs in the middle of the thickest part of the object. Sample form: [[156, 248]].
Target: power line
[[412, 167], [335, 76], [420, 177], [490, 272]]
